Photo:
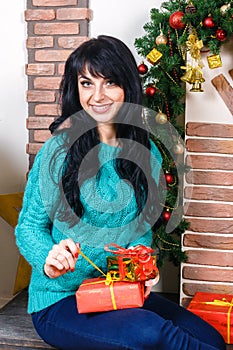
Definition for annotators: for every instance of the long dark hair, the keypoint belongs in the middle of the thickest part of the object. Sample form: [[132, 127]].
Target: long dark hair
[[110, 58]]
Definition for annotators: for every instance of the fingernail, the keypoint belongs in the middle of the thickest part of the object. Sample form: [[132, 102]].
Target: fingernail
[[72, 270], [76, 255]]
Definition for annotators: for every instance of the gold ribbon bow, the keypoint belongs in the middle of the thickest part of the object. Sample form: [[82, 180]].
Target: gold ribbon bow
[[194, 46]]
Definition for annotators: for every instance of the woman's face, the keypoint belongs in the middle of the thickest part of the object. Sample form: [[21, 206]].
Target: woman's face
[[101, 98]]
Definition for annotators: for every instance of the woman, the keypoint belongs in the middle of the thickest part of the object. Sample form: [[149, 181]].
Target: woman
[[92, 183]]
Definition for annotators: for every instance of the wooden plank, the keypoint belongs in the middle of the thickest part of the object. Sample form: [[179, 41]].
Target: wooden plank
[[16, 328], [225, 90]]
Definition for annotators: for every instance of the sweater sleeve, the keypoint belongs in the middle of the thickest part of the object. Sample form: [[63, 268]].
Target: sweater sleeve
[[32, 232]]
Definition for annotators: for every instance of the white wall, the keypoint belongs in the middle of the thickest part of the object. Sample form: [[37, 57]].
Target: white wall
[[13, 133], [122, 18]]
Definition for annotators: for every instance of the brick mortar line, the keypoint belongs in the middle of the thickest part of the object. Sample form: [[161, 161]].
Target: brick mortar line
[[206, 185], [207, 282], [207, 218], [213, 267], [196, 137], [208, 154], [187, 248], [206, 201], [209, 234]]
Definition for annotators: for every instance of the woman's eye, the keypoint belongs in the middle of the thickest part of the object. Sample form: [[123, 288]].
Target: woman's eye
[[85, 83], [110, 83]]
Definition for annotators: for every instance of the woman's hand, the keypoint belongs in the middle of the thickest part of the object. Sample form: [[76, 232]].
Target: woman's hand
[[150, 284], [61, 258]]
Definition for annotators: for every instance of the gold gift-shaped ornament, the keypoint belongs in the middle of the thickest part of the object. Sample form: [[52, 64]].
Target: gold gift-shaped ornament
[[154, 56], [214, 61], [121, 268]]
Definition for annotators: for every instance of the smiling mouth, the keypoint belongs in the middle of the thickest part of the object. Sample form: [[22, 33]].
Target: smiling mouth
[[101, 109]]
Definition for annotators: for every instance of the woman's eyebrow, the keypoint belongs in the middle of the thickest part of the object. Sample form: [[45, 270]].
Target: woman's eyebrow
[[82, 76]]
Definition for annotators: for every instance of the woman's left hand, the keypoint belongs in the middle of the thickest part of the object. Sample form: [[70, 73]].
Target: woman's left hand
[[149, 284]]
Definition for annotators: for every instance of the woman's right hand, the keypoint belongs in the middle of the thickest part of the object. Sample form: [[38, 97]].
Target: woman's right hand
[[61, 258]]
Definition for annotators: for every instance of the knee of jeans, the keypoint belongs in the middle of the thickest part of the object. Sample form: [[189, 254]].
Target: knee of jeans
[[147, 338]]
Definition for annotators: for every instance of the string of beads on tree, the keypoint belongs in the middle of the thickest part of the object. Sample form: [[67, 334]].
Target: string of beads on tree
[[176, 36]]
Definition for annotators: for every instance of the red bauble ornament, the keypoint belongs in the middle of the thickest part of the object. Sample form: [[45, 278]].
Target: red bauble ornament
[[142, 68], [166, 215], [169, 178], [175, 20], [150, 90], [208, 22], [221, 34]]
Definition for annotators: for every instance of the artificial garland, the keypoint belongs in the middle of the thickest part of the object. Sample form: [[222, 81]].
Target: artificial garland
[[176, 36]]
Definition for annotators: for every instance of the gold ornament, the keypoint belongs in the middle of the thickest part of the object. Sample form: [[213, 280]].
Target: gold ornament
[[154, 56], [161, 118], [224, 9], [161, 39], [214, 61], [188, 76], [194, 46], [197, 80], [178, 148]]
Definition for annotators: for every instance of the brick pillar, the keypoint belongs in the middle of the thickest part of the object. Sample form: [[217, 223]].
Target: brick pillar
[[55, 29], [209, 209]]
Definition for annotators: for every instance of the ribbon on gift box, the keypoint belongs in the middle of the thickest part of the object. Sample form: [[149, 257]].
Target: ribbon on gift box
[[222, 302], [108, 280], [140, 255]]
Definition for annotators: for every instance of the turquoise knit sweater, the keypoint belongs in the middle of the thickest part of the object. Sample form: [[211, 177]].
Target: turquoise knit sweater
[[110, 216]]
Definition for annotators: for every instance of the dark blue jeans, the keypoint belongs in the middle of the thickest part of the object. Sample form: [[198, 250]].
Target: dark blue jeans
[[159, 325]]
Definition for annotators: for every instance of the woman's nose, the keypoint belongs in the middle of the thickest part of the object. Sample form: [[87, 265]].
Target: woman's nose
[[99, 93]]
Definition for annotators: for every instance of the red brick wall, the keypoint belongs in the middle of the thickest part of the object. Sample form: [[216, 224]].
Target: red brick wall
[[209, 209], [55, 29]]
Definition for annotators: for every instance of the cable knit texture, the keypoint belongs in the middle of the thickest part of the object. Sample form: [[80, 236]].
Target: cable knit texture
[[110, 216]]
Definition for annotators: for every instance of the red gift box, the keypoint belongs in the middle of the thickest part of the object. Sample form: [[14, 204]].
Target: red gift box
[[97, 294], [217, 310]]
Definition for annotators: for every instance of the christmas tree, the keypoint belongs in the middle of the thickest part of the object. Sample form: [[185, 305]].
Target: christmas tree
[[171, 52]]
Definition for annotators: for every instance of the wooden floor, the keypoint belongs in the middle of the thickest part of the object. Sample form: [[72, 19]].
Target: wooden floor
[[16, 329]]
